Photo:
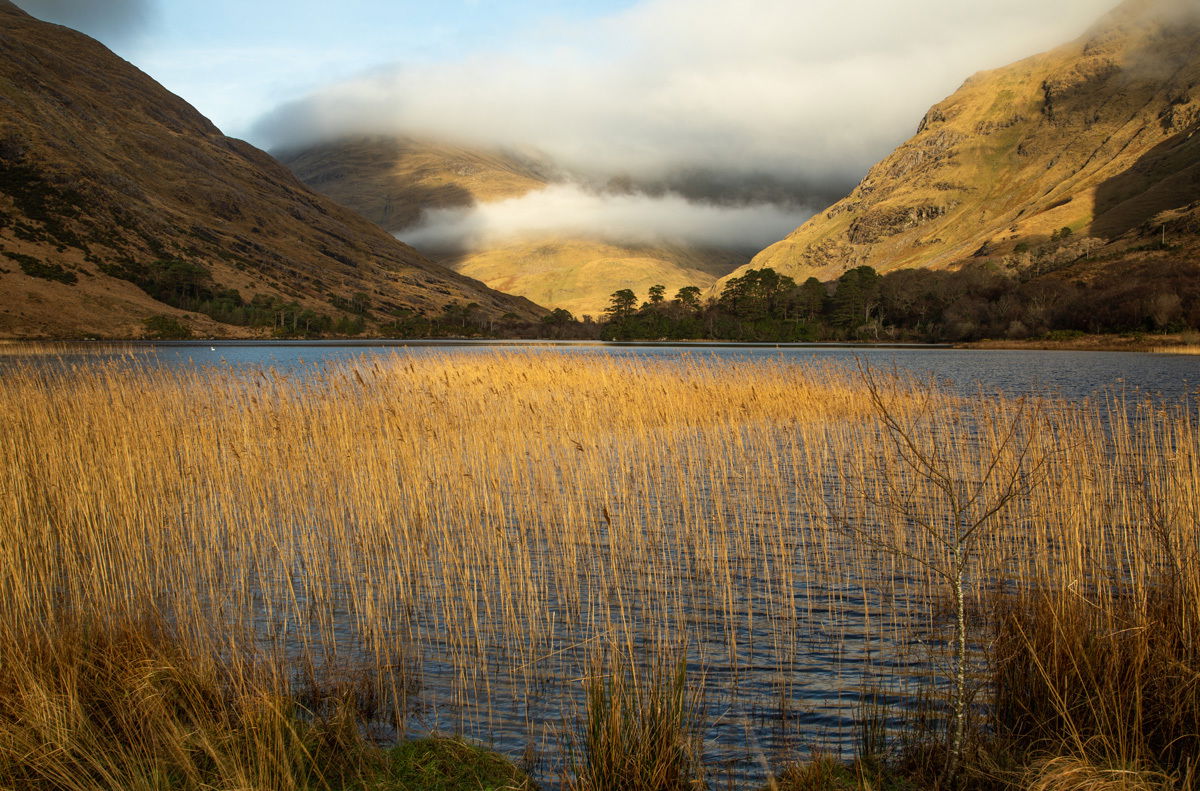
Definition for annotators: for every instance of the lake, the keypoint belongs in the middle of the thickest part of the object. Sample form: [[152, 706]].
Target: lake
[[1071, 374]]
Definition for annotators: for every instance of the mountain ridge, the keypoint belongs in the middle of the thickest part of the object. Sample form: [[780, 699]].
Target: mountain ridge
[[1093, 139], [107, 180]]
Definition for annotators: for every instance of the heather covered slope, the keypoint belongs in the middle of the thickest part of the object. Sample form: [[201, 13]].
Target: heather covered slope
[[1097, 136], [110, 186], [393, 181]]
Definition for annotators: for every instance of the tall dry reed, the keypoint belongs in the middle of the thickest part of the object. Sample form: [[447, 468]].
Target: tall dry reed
[[445, 541]]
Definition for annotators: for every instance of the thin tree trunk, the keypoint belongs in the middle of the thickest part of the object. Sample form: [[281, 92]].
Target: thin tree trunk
[[960, 665]]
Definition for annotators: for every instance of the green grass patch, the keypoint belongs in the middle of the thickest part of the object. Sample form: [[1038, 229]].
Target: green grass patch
[[1063, 335], [440, 764], [825, 773]]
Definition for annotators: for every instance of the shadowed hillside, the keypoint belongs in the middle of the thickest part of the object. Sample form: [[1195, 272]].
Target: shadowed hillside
[[1166, 178], [392, 181]]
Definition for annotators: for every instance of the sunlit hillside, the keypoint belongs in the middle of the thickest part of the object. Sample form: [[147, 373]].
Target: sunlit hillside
[[1080, 159], [119, 202]]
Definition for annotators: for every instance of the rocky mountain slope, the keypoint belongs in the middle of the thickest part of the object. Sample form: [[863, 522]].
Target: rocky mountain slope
[[117, 197], [390, 181], [1075, 160]]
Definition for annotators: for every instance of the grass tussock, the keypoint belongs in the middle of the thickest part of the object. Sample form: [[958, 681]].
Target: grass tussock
[[640, 730], [1075, 774], [1115, 679], [89, 705], [214, 578]]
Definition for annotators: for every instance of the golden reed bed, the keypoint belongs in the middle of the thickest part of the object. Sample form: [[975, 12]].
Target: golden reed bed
[[504, 526]]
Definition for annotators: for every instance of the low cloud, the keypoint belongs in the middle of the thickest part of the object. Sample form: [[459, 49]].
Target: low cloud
[[806, 91], [114, 22], [1170, 11], [571, 210]]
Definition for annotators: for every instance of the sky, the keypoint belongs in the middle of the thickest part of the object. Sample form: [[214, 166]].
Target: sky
[[773, 105]]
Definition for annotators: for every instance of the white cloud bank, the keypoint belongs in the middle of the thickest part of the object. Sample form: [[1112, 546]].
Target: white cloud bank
[[810, 90], [572, 211]]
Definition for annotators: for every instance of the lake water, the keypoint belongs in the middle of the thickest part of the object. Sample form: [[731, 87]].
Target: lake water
[[1071, 374], [777, 693]]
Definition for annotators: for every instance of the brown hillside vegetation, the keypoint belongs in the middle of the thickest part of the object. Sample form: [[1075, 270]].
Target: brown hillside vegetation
[[1097, 136], [392, 181], [105, 175]]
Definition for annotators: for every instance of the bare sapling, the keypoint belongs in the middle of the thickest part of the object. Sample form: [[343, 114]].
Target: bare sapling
[[945, 481]]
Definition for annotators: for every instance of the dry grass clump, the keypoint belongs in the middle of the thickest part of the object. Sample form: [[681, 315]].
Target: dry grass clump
[[1118, 678], [119, 705], [641, 730], [1079, 774]]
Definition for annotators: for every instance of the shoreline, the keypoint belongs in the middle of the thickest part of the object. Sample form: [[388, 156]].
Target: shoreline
[[1100, 343], [1133, 342]]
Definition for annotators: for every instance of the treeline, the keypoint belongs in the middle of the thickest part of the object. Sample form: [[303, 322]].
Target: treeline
[[189, 286], [984, 299], [980, 300]]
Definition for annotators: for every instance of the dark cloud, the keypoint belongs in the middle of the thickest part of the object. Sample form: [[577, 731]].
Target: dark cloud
[[114, 22]]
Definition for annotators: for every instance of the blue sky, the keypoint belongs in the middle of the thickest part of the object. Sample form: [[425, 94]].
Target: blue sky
[[236, 59]]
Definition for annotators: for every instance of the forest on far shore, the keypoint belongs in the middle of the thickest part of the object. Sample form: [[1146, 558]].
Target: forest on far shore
[[977, 301]]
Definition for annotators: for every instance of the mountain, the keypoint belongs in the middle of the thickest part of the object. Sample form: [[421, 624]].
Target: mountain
[[1074, 161], [393, 180], [580, 275], [118, 201]]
